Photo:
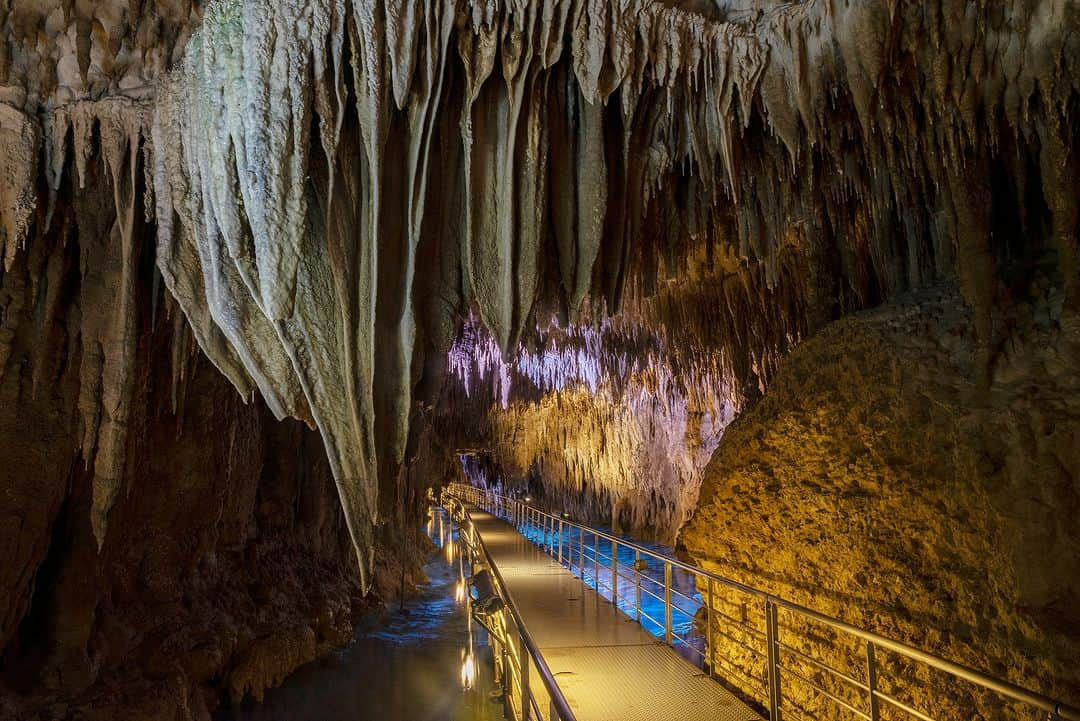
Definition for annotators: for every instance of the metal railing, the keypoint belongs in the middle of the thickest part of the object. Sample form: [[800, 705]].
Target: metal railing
[[777, 639], [517, 655]]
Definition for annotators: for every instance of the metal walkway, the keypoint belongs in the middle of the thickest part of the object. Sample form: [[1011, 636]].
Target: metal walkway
[[608, 667], [590, 662]]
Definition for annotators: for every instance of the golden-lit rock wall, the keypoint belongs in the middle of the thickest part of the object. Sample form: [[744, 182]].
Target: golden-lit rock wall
[[877, 481]]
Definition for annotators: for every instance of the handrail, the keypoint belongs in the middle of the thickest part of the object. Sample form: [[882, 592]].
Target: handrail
[[873, 640], [558, 700]]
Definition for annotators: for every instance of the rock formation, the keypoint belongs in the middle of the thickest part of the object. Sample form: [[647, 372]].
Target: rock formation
[[225, 540], [825, 142], [879, 482]]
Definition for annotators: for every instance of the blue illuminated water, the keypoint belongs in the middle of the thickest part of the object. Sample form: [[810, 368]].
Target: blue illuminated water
[[686, 601]]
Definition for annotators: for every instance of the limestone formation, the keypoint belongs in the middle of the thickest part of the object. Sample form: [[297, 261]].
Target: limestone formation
[[294, 196]]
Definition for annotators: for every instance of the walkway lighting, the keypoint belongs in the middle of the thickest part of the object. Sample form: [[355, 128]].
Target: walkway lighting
[[468, 672]]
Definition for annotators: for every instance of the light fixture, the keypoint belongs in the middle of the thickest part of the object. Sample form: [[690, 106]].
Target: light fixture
[[468, 672]]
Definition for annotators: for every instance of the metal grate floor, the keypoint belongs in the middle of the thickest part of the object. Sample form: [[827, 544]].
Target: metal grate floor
[[609, 668]]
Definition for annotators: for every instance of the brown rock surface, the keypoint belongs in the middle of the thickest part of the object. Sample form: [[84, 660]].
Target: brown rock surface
[[877, 482], [226, 543]]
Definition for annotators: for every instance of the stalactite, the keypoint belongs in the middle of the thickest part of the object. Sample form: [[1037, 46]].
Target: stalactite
[[20, 140], [112, 134]]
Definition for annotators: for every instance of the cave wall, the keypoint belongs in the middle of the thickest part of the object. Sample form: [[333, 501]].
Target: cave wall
[[168, 544], [880, 482], [227, 562]]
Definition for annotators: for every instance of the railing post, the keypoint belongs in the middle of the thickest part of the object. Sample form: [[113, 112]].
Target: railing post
[[667, 603], [596, 562], [615, 572], [526, 696], [637, 583], [709, 627], [560, 540], [871, 682], [581, 547], [772, 640]]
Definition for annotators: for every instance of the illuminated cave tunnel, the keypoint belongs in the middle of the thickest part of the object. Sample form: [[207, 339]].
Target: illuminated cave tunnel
[[783, 292]]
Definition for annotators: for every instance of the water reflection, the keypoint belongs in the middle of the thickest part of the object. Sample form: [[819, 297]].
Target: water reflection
[[409, 665], [686, 600]]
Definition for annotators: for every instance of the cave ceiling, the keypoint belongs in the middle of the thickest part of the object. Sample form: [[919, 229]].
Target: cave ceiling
[[339, 190]]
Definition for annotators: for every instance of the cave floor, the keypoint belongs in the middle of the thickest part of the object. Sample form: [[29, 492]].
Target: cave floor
[[608, 667]]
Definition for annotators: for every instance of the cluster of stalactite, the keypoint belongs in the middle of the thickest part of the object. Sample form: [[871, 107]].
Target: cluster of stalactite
[[100, 144], [615, 417], [145, 509], [335, 184], [609, 422]]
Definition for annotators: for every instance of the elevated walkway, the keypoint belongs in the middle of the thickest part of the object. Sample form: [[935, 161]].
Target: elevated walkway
[[568, 653], [608, 667]]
